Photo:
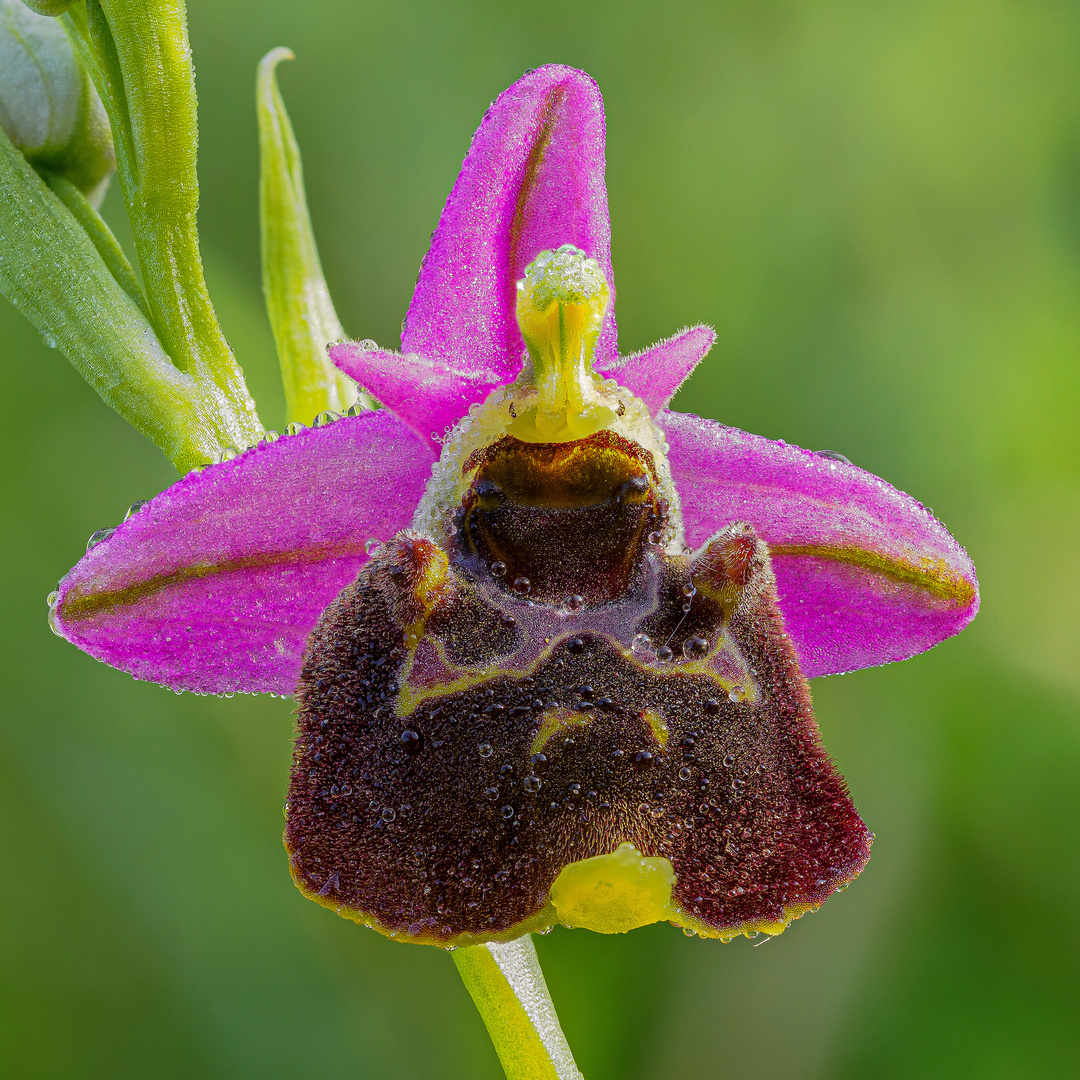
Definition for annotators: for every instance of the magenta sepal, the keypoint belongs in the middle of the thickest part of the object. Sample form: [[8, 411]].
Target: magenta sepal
[[214, 585], [865, 574], [533, 179]]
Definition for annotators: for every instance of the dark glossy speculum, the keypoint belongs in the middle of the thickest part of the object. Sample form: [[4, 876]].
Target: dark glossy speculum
[[570, 519]]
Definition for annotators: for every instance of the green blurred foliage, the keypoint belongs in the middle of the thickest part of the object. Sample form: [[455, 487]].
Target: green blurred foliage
[[878, 207]]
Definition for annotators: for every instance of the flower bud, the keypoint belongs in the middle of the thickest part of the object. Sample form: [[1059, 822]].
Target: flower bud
[[48, 105], [49, 7]]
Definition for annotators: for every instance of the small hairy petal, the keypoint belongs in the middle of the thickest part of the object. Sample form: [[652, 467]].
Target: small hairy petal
[[214, 585], [656, 373], [532, 181], [426, 394], [864, 573]]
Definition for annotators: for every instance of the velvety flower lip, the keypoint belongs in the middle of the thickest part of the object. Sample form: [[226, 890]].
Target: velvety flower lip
[[215, 585]]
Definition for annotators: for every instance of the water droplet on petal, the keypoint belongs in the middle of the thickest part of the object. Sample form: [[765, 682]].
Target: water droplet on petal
[[521, 586], [833, 455], [135, 507], [485, 749], [325, 418], [100, 536], [498, 569]]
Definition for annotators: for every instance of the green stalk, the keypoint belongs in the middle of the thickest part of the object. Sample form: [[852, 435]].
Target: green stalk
[[508, 987], [140, 59], [297, 300]]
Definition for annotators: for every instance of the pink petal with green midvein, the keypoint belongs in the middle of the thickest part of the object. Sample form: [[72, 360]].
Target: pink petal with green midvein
[[533, 180], [864, 573], [214, 585], [429, 396], [656, 373]]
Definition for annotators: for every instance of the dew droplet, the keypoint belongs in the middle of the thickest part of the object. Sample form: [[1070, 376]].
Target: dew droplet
[[498, 569], [387, 813], [294, 428], [695, 647], [532, 783], [641, 644], [270, 435], [729, 760], [226, 455], [689, 589], [325, 418], [507, 812], [575, 603], [135, 507], [100, 536], [411, 741], [655, 538], [684, 773], [833, 455], [370, 545], [521, 586], [664, 654], [737, 693], [485, 749], [491, 794]]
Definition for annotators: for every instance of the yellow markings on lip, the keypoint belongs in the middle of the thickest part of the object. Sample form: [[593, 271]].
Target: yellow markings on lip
[[657, 726], [932, 575], [552, 721], [750, 929], [412, 695], [614, 893], [423, 931]]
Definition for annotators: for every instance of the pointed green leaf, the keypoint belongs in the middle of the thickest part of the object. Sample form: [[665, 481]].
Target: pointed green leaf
[[297, 300]]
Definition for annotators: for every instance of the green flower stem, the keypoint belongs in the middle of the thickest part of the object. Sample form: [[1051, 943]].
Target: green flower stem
[[138, 54], [508, 987], [108, 247], [54, 273], [297, 300]]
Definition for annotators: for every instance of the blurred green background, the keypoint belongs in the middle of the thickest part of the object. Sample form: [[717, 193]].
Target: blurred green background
[[878, 207]]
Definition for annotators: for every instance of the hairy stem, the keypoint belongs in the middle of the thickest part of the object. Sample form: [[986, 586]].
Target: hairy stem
[[508, 987]]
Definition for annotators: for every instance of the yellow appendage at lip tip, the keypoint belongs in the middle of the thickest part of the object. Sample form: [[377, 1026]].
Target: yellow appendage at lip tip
[[561, 305], [614, 893]]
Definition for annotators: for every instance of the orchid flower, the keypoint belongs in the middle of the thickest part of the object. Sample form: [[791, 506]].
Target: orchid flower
[[667, 702], [549, 640]]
